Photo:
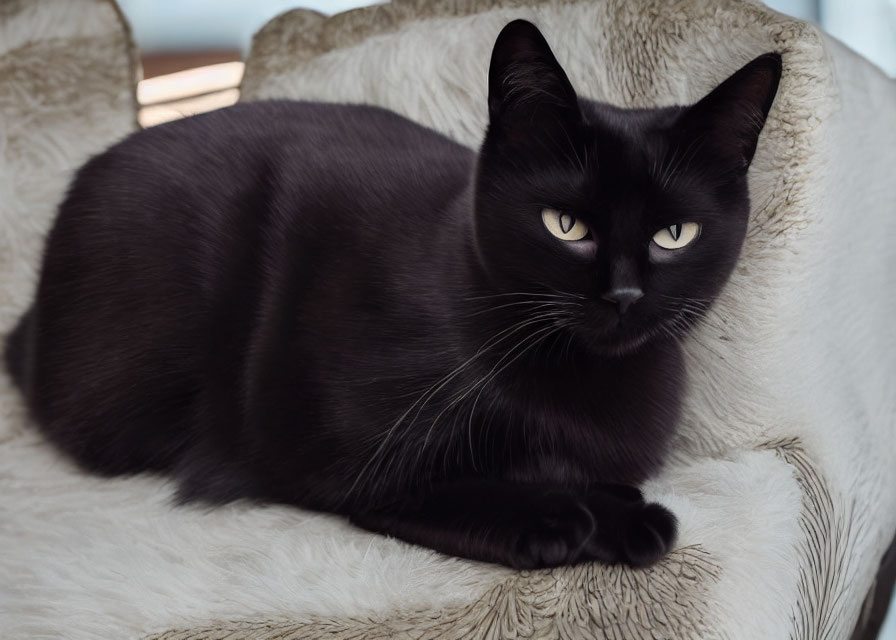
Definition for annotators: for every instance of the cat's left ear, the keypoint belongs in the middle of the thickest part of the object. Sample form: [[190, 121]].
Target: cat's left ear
[[729, 119], [526, 84]]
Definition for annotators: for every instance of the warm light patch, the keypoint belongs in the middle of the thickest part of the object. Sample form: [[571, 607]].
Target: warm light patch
[[184, 93]]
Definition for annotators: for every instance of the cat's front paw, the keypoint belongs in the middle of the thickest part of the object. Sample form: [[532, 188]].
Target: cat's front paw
[[628, 529], [649, 534], [557, 535]]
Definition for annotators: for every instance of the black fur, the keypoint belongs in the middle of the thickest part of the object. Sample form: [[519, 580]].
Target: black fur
[[334, 307], [14, 353]]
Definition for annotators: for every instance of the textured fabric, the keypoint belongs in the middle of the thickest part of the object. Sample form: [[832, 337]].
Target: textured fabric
[[781, 476], [67, 73]]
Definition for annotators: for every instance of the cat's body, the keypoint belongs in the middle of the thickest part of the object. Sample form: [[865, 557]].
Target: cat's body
[[215, 286], [334, 307]]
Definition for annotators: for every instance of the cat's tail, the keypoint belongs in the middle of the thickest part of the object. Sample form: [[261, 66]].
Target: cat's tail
[[15, 351]]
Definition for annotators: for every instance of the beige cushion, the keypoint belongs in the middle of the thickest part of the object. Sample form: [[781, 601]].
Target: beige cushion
[[67, 90]]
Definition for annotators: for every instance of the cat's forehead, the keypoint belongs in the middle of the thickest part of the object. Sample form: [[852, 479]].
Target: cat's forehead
[[612, 118], [631, 148], [628, 137]]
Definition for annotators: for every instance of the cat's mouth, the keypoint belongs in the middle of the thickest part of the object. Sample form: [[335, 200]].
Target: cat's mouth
[[613, 334], [620, 345]]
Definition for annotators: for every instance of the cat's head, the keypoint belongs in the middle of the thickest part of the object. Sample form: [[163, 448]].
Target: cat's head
[[635, 216]]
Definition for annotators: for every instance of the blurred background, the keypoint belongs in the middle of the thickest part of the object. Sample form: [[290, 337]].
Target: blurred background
[[192, 50]]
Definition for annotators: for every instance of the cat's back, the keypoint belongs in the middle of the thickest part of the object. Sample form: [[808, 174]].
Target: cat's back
[[321, 170], [175, 250], [308, 145], [323, 130]]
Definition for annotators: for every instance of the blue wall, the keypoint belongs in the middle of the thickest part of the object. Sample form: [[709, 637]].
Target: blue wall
[[176, 25]]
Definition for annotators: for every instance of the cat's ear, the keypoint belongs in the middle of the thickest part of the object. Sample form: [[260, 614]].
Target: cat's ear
[[729, 119], [526, 84]]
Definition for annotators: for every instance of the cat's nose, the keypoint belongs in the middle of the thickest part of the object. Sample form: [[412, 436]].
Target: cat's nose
[[623, 297]]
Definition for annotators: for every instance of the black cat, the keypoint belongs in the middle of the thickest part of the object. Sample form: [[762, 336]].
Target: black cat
[[334, 307]]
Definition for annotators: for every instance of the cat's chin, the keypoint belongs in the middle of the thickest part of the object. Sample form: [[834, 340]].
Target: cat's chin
[[617, 346]]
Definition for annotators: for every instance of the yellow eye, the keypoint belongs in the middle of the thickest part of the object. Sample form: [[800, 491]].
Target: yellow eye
[[677, 236], [563, 225]]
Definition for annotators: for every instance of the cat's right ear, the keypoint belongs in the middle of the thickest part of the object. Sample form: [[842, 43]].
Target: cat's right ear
[[526, 84]]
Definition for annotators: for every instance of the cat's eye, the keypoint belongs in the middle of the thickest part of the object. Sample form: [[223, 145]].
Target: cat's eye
[[677, 236], [563, 226]]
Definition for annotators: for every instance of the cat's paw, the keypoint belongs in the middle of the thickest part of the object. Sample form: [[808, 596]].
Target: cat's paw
[[629, 530], [649, 534], [556, 535]]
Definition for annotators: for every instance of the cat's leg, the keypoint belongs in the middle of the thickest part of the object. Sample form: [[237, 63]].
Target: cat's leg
[[527, 526], [214, 468]]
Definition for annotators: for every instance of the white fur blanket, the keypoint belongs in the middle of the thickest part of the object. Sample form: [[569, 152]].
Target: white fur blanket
[[782, 476]]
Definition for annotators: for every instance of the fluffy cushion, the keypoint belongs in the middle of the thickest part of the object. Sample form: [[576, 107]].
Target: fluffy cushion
[[781, 476], [67, 78]]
